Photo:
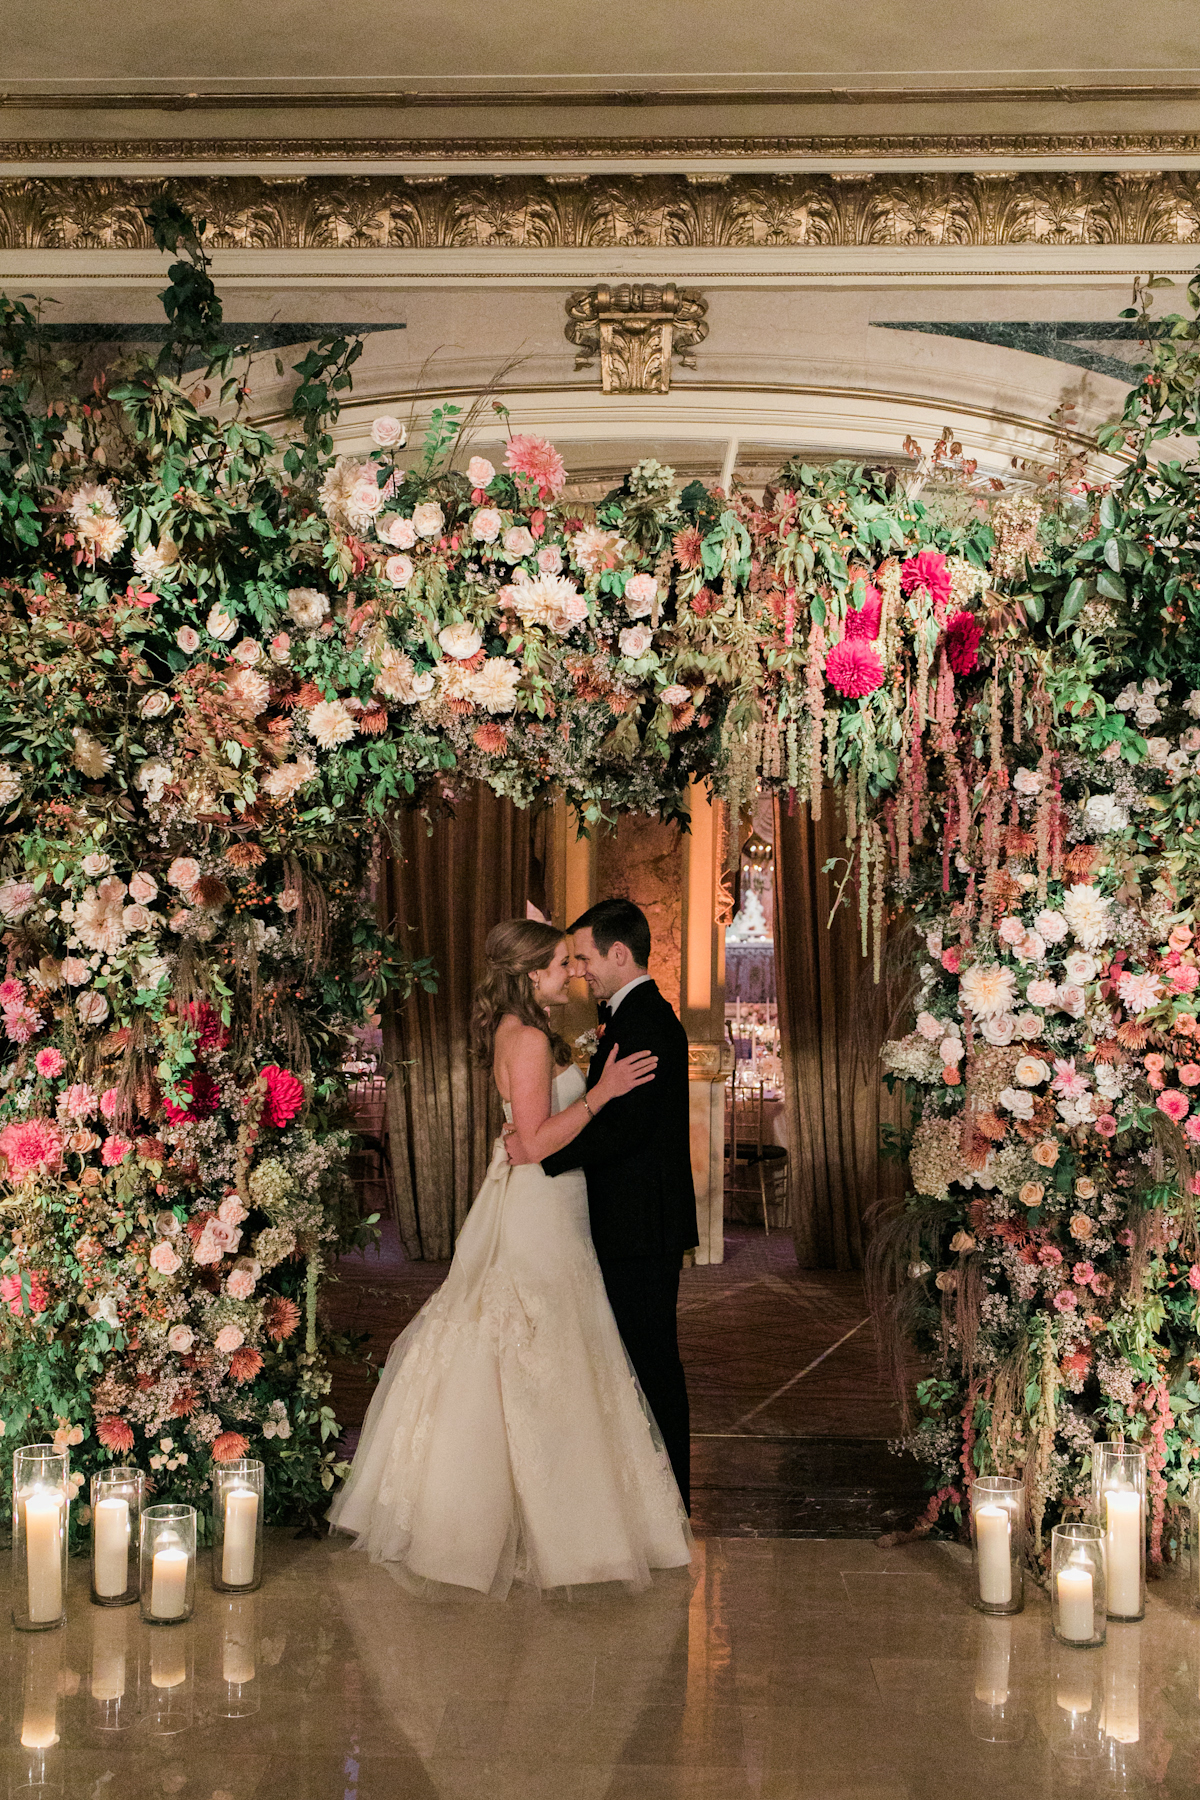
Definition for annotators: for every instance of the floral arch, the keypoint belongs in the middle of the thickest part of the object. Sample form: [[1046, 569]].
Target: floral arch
[[226, 663]]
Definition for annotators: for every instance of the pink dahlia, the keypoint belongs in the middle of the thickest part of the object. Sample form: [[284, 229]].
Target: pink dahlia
[[21, 1023], [285, 1095], [853, 668], [928, 569], [964, 634], [12, 993], [1194, 1278], [1175, 1104], [1139, 992], [204, 1096], [114, 1150], [29, 1146], [50, 1063], [538, 461], [1184, 978], [10, 1293], [863, 621]]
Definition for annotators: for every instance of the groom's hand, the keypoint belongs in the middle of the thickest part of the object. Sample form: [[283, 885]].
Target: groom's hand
[[514, 1148]]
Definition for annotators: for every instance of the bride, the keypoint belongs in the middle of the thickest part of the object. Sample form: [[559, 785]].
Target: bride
[[508, 1439]]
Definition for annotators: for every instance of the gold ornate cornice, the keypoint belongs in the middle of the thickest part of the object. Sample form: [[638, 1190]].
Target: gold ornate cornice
[[589, 212], [635, 329], [1163, 146]]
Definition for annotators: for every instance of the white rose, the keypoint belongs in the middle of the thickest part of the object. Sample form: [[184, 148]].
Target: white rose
[[1072, 1000], [422, 685], [518, 541], [461, 641], [1029, 1025], [366, 497], [388, 433], [248, 652], [480, 472], [1032, 948], [220, 625], [929, 1027], [428, 519], [951, 1050], [1031, 1071], [641, 591], [1080, 968], [550, 560], [97, 863], [1192, 703], [999, 1030], [1018, 1102], [1102, 812], [635, 640], [308, 606], [675, 695], [396, 531], [399, 570], [1108, 1081], [485, 526], [155, 705]]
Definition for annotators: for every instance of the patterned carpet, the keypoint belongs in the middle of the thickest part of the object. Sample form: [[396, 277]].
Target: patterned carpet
[[790, 1419]]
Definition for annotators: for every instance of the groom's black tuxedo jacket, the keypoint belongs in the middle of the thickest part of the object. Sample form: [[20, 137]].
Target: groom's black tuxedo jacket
[[636, 1152]]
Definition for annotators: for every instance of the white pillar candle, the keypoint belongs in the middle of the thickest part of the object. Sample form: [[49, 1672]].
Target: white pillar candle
[[108, 1654], [43, 1551], [168, 1659], [241, 1530], [993, 1540], [1076, 1616], [168, 1583], [1123, 1551], [110, 1554], [991, 1664]]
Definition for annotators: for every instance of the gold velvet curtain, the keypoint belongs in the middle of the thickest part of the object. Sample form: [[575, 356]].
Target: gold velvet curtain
[[832, 1019], [446, 890]]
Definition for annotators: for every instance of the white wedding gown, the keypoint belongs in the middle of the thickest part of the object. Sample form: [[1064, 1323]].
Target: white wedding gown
[[508, 1439]]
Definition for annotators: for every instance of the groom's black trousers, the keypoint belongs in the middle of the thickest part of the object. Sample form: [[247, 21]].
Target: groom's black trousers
[[643, 1292]]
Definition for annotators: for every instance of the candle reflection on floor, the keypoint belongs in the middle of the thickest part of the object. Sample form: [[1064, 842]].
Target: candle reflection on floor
[[996, 1716], [1077, 1679], [171, 1695], [40, 1691], [239, 1657], [114, 1670]]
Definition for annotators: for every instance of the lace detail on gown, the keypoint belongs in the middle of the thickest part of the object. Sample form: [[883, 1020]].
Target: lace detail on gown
[[508, 1438]]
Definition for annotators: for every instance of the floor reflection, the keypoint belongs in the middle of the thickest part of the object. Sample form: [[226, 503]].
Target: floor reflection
[[784, 1670]]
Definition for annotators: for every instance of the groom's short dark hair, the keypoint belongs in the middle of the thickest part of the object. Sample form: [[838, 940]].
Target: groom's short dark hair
[[617, 922]]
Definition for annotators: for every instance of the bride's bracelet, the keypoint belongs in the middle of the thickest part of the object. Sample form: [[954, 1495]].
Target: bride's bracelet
[[587, 1109]]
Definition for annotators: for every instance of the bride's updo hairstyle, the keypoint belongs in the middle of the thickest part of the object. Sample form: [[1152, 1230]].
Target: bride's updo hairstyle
[[514, 950]]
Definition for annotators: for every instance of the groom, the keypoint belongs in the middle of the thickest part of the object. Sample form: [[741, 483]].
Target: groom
[[637, 1160]]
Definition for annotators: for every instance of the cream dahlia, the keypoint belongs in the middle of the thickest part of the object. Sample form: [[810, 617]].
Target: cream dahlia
[[987, 989]]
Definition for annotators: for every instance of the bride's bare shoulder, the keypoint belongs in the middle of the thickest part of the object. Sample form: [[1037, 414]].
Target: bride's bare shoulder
[[515, 1038]]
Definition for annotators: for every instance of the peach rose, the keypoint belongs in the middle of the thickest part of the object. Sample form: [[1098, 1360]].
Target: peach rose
[[1045, 1154]]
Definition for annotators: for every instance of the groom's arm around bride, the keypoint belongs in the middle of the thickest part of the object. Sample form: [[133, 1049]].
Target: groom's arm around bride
[[636, 1157]]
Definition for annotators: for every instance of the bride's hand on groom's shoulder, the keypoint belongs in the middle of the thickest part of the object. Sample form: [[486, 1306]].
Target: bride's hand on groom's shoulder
[[621, 1074]]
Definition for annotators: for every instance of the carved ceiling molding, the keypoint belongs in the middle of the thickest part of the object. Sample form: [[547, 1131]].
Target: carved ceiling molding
[[635, 329], [541, 213], [1118, 145]]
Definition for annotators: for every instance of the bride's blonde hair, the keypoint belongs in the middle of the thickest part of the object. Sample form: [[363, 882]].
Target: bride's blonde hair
[[514, 949]]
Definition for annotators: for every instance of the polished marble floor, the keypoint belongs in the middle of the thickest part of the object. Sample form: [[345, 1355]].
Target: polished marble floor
[[784, 1669]]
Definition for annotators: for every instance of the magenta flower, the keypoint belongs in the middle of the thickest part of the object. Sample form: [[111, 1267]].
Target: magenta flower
[[853, 668], [114, 1150], [863, 621], [964, 634], [929, 570]]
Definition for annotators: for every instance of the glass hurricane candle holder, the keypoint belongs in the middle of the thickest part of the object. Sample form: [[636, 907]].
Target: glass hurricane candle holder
[[237, 1526], [997, 1522], [1077, 1586], [41, 1498], [168, 1564], [117, 1496], [1119, 1508]]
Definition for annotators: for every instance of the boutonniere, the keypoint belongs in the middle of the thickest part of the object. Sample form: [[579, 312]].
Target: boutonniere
[[587, 1043]]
